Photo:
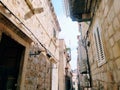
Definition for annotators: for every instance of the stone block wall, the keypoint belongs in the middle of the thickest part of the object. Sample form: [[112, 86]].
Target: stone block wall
[[62, 64], [37, 20], [107, 76], [38, 72], [41, 22]]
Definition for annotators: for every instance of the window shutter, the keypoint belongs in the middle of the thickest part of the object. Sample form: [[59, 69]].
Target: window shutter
[[99, 47]]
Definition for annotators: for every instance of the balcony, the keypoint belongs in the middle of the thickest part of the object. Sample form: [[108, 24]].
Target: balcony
[[82, 10]]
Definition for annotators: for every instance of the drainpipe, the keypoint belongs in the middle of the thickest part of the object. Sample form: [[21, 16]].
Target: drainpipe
[[88, 63]]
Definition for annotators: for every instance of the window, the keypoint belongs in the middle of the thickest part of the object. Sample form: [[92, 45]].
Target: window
[[99, 47], [54, 33], [73, 83]]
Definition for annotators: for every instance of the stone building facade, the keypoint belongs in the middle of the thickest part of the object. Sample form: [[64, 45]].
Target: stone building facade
[[82, 65], [28, 44], [102, 40], [64, 69], [104, 50], [62, 64], [75, 79]]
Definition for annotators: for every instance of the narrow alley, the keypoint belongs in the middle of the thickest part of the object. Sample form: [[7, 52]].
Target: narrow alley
[[59, 45]]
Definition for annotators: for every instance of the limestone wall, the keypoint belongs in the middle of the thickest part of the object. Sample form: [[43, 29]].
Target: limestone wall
[[106, 76], [38, 72], [39, 17], [62, 65], [36, 19]]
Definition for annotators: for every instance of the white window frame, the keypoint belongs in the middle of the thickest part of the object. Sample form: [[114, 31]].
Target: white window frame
[[99, 45]]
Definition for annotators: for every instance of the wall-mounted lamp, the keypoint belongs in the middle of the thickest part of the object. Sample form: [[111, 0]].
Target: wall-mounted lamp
[[88, 43], [35, 53], [66, 70], [48, 55]]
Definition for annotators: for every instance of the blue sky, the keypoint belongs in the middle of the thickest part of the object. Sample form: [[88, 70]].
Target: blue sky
[[69, 30]]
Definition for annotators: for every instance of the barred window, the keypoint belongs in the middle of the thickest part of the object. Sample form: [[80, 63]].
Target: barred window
[[99, 47]]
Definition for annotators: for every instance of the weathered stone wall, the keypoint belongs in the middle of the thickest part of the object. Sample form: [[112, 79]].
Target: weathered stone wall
[[107, 76], [36, 69], [62, 65], [11, 32], [38, 72], [38, 17], [84, 27]]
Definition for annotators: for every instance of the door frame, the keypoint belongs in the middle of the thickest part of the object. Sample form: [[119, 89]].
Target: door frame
[[22, 69]]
